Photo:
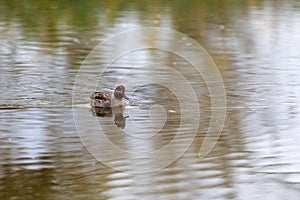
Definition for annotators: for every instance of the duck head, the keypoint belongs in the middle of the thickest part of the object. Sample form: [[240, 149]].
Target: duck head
[[120, 92]]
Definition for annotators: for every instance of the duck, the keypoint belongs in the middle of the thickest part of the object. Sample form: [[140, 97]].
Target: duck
[[110, 99]]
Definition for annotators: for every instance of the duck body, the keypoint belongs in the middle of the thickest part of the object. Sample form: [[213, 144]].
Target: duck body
[[101, 99], [109, 99]]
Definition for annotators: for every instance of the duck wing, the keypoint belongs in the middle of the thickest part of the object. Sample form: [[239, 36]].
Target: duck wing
[[101, 99]]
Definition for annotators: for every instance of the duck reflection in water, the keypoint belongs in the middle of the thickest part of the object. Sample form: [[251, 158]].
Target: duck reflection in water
[[116, 112], [108, 104]]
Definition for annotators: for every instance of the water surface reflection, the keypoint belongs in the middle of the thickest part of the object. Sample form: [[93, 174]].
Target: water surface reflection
[[42, 45]]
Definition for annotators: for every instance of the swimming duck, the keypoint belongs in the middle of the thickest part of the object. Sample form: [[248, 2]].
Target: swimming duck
[[109, 99]]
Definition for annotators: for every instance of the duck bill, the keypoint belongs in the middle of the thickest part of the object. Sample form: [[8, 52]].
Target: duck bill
[[125, 97]]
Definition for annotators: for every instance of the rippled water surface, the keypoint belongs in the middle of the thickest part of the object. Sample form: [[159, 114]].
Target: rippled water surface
[[54, 146]]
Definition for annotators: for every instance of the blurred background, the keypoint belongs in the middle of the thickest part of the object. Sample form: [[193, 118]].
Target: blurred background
[[254, 43]]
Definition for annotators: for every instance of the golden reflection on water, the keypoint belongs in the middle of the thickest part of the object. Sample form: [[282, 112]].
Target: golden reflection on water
[[255, 45]]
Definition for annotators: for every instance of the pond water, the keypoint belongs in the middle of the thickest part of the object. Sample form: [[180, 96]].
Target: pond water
[[54, 146]]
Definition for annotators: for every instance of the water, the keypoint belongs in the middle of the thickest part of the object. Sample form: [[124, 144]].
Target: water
[[47, 139]]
